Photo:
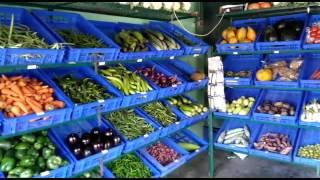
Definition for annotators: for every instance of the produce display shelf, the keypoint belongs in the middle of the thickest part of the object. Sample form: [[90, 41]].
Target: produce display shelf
[[108, 8], [268, 52], [275, 88], [277, 11]]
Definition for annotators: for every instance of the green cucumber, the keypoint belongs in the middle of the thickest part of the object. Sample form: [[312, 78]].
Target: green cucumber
[[189, 146]]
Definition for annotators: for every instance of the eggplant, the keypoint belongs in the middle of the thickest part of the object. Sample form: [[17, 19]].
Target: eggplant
[[87, 151], [72, 139], [95, 133], [85, 139], [270, 35], [97, 146], [282, 24], [288, 35], [108, 134], [107, 145], [77, 151], [115, 141]]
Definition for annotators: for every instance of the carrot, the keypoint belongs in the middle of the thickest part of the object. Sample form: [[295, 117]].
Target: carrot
[[14, 98], [15, 88], [4, 77], [2, 85], [36, 88], [2, 104], [9, 92], [15, 110], [22, 83], [37, 97], [15, 78], [58, 104], [36, 107], [22, 106], [9, 101], [50, 90], [49, 99], [30, 90], [43, 91], [25, 90]]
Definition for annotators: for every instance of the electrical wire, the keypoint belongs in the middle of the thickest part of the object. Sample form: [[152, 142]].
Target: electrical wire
[[201, 35]]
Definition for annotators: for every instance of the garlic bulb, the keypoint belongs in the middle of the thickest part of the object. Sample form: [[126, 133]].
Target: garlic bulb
[[146, 4], [167, 5], [186, 6], [176, 6], [156, 5]]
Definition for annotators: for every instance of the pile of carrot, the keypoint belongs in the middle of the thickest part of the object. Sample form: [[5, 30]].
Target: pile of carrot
[[315, 75], [20, 96]]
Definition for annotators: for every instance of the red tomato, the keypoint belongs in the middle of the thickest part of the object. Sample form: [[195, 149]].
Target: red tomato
[[313, 34], [317, 41], [314, 29]]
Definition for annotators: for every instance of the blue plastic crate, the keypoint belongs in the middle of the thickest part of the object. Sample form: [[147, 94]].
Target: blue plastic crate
[[171, 128], [111, 29], [312, 19], [229, 125], [292, 134], [166, 169], [162, 92], [33, 121], [134, 99], [60, 134], [241, 63], [54, 21], [90, 108], [233, 94], [309, 96], [256, 24], [294, 98], [140, 141], [311, 64], [282, 45], [23, 56], [186, 136], [306, 137], [271, 58], [191, 120], [154, 172], [183, 70], [200, 47]]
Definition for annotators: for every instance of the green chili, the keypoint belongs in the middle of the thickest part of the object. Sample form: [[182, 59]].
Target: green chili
[[160, 112]]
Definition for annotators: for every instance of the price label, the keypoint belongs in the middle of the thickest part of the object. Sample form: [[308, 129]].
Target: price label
[[143, 93], [276, 52], [235, 53], [177, 123], [102, 63], [171, 57], [32, 67], [40, 113], [277, 115], [139, 60], [236, 78], [71, 62], [104, 151], [174, 85], [177, 160], [45, 173], [195, 55], [197, 150], [100, 101], [146, 135]]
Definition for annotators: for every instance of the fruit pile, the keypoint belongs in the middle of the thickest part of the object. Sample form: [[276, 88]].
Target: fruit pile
[[131, 41], [233, 35], [313, 34], [240, 106], [186, 106]]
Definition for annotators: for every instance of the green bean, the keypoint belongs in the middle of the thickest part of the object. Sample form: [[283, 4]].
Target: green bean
[[129, 166], [129, 124], [80, 40], [160, 112]]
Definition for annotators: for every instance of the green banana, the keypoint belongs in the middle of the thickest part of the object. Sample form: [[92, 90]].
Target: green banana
[[157, 34], [138, 35]]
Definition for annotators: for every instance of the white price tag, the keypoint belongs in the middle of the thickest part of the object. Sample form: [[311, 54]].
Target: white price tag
[[195, 55], [71, 62], [32, 67], [177, 122], [174, 85], [146, 135], [197, 150], [199, 80], [100, 101], [177, 160], [276, 52], [102, 63], [40, 113], [235, 53], [45, 173], [171, 57], [236, 78], [277, 115], [143, 93], [104, 151], [139, 60]]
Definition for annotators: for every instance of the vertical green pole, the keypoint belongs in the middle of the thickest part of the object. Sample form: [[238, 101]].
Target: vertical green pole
[[210, 152]]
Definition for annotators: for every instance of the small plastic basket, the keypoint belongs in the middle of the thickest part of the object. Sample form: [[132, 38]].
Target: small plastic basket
[[134, 99], [256, 24], [54, 21], [191, 120], [28, 56], [292, 134], [306, 137], [200, 47], [60, 134], [140, 141], [294, 98], [272, 58], [165, 170], [171, 128], [229, 125], [184, 71], [312, 19], [111, 29], [90, 108], [234, 94], [309, 96], [40, 120], [154, 172], [186, 136], [241, 63], [162, 92], [311, 64], [283, 45]]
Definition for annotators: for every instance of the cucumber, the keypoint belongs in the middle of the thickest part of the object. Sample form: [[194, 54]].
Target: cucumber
[[189, 146]]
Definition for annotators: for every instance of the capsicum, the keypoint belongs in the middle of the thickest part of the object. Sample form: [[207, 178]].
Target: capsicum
[[54, 162], [7, 163]]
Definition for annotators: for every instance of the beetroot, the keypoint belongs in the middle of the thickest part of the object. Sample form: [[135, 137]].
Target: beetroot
[[162, 153]]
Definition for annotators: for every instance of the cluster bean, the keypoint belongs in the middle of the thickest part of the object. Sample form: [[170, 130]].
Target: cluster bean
[[160, 112]]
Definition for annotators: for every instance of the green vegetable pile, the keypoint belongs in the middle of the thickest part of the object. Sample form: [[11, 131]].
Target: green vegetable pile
[[80, 40], [129, 123], [20, 36], [29, 155], [95, 173], [131, 41], [310, 151], [186, 106], [160, 112], [81, 90], [129, 166], [126, 81]]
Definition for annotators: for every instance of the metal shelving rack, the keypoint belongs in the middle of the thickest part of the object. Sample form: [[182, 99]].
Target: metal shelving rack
[[258, 14], [97, 8]]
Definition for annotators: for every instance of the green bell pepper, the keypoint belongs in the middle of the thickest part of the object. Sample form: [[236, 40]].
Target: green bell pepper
[[41, 163], [42, 140], [30, 138], [37, 145], [12, 176], [22, 146], [54, 162], [33, 152], [27, 161], [7, 164], [47, 152], [27, 173], [6, 145], [16, 171], [20, 154]]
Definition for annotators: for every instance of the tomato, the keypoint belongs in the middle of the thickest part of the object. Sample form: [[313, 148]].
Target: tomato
[[314, 29], [313, 34]]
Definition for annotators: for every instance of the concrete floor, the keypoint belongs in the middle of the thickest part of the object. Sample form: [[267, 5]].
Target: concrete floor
[[250, 167]]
